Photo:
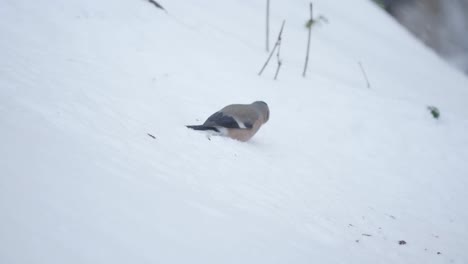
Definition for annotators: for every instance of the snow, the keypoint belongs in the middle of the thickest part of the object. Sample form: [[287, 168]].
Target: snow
[[82, 83]]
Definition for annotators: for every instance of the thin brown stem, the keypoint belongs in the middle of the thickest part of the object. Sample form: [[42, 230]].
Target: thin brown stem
[[306, 64], [365, 75], [268, 26], [156, 4], [278, 59], [278, 41]]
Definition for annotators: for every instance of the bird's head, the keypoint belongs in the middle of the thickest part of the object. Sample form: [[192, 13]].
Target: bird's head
[[262, 107]]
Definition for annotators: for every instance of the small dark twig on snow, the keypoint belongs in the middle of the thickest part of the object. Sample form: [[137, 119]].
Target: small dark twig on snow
[[156, 4], [278, 59], [365, 75], [277, 45], [309, 24], [268, 26]]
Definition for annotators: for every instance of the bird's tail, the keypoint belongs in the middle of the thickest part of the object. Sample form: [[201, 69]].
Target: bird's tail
[[202, 127]]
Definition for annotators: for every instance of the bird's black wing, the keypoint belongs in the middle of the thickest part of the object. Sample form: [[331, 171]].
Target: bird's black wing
[[222, 120]]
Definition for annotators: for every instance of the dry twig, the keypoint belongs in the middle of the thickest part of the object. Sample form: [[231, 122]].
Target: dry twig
[[156, 4], [277, 44], [309, 25], [365, 75], [268, 26]]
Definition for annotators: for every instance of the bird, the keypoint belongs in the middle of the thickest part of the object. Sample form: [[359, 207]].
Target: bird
[[237, 121]]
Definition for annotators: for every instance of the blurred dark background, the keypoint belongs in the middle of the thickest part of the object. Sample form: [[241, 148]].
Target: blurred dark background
[[440, 24]]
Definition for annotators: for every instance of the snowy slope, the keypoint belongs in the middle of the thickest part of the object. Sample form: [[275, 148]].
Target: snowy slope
[[340, 173]]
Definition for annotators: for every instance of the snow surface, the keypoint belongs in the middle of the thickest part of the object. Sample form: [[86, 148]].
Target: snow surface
[[340, 173]]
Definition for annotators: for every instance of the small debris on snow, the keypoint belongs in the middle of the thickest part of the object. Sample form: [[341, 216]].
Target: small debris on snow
[[151, 136], [402, 242], [367, 235], [391, 216], [434, 111], [156, 4]]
